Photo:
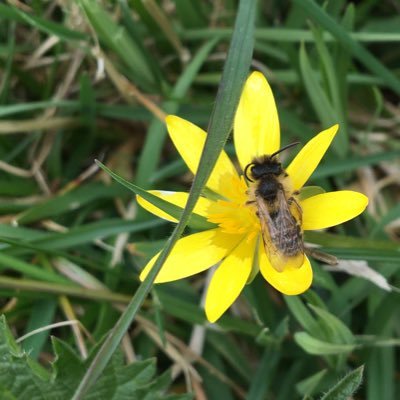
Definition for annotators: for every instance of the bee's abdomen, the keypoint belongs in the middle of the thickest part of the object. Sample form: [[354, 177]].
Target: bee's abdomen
[[289, 239], [292, 245]]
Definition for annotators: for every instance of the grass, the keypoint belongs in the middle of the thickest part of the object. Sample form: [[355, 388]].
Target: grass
[[94, 80]]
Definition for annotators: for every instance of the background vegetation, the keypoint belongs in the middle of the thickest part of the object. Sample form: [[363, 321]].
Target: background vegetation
[[81, 80]]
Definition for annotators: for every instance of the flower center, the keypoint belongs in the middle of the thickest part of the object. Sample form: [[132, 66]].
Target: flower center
[[234, 215]]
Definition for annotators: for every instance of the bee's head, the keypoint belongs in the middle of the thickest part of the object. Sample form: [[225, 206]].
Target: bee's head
[[261, 167], [265, 165]]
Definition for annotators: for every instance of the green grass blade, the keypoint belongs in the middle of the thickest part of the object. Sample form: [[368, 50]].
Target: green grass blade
[[96, 230], [319, 99], [314, 11], [156, 134], [329, 68], [264, 375], [185, 311], [6, 74], [10, 109], [190, 13], [285, 35], [59, 289], [44, 25], [320, 347], [333, 168], [69, 201], [302, 314], [117, 38], [78, 236], [30, 270], [307, 386], [350, 242], [17, 232], [132, 28], [196, 221], [42, 314], [235, 72]]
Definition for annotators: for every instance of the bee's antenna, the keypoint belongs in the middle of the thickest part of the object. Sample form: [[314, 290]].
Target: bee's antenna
[[245, 172], [284, 148]]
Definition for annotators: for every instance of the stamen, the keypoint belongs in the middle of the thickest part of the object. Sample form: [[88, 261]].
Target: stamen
[[235, 216]]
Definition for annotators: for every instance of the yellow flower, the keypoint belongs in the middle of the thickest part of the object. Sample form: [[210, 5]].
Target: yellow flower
[[235, 243]]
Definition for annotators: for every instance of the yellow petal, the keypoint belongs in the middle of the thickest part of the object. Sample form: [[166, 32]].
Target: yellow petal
[[193, 254], [280, 261], [304, 164], [332, 208], [177, 198], [229, 280], [189, 140], [256, 126], [290, 281]]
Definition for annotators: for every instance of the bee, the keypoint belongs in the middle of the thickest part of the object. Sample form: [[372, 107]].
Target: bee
[[278, 210]]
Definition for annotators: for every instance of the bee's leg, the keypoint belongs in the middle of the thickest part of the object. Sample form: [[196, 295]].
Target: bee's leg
[[321, 256], [250, 202], [292, 198], [293, 201]]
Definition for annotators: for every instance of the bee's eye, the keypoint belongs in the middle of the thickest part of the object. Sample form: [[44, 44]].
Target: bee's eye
[[257, 171], [277, 169]]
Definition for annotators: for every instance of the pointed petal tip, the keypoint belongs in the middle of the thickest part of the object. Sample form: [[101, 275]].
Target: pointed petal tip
[[256, 74], [331, 131], [334, 128], [189, 140], [256, 126], [143, 275], [308, 158], [171, 119], [211, 316], [256, 79]]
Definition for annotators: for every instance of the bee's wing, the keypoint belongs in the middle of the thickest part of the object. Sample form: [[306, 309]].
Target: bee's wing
[[281, 231]]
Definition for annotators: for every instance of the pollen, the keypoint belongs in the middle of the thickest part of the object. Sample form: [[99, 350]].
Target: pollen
[[235, 215]]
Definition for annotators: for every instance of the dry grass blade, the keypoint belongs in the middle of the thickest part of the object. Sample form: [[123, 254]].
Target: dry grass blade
[[361, 269], [9, 127], [189, 355], [127, 90]]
